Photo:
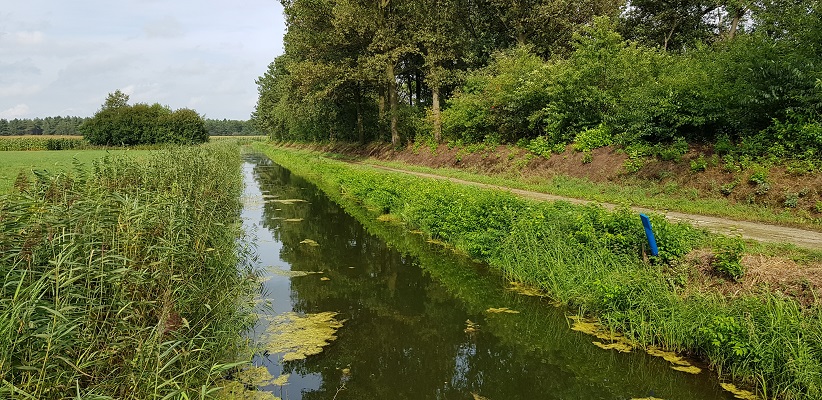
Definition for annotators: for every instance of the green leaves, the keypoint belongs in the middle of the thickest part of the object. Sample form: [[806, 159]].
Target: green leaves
[[118, 123]]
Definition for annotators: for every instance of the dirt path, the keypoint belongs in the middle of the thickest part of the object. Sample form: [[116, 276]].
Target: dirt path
[[748, 230]]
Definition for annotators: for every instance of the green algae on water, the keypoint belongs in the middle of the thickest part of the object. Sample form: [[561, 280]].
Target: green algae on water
[[286, 201], [739, 393], [680, 364], [244, 385], [298, 337], [501, 310], [525, 290], [290, 273]]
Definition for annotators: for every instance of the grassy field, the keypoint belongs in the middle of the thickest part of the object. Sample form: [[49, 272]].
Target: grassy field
[[14, 162]]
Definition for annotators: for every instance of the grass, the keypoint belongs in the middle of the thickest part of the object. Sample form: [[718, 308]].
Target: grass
[[631, 193], [121, 278], [637, 193], [12, 163], [591, 259]]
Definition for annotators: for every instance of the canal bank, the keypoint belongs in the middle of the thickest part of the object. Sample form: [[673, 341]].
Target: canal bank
[[758, 338], [421, 320]]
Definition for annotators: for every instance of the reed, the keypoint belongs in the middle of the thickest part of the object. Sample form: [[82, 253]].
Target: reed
[[121, 281]]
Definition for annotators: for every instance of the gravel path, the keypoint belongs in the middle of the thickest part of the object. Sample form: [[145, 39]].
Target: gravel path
[[748, 230]]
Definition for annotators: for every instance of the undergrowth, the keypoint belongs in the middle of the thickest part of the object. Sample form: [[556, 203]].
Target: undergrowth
[[593, 259], [121, 281]]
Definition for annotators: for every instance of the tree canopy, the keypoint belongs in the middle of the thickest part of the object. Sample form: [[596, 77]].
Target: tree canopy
[[118, 123], [506, 71]]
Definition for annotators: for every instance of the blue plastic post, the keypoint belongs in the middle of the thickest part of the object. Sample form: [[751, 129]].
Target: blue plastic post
[[649, 233]]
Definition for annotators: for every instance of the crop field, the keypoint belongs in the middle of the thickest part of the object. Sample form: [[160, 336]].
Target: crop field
[[14, 162]]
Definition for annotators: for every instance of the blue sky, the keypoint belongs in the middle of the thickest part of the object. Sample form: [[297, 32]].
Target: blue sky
[[64, 57]]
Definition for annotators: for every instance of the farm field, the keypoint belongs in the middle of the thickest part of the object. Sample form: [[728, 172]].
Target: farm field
[[13, 162]]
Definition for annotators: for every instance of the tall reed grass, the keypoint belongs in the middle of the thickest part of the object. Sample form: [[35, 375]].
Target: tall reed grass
[[122, 281], [591, 259]]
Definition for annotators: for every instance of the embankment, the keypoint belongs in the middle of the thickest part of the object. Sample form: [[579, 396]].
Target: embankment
[[592, 259]]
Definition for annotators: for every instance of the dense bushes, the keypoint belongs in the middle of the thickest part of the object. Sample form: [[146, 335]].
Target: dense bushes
[[590, 258], [118, 123], [123, 282], [754, 89]]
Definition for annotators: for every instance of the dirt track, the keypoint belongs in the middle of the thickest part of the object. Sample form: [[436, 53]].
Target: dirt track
[[748, 230]]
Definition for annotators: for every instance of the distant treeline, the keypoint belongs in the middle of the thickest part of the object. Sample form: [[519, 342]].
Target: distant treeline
[[231, 127], [41, 126], [69, 126], [591, 72]]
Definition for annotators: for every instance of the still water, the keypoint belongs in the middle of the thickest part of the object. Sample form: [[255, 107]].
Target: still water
[[416, 315]]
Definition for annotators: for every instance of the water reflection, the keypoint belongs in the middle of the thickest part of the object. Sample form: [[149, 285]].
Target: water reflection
[[406, 303]]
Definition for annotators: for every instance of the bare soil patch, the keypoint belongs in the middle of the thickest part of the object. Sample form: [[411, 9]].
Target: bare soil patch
[[777, 275]]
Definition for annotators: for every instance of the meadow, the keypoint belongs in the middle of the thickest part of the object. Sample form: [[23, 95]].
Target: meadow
[[121, 276], [595, 262], [12, 163]]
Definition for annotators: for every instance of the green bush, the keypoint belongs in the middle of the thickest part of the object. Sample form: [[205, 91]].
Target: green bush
[[728, 259], [123, 125], [594, 138]]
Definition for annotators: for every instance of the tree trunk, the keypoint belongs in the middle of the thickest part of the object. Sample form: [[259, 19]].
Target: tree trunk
[[435, 113], [738, 14], [410, 90], [418, 82], [392, 103], [360, 132], [381, 113]]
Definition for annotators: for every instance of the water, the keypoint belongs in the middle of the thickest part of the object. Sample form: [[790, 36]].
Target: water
[[406, 303]]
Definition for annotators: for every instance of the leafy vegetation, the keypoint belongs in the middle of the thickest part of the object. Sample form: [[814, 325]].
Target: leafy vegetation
[[743, 76], [118, 123], [121, 280], [590, 258]]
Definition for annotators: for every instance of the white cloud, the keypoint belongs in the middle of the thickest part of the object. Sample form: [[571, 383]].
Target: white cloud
[[18, 111], [29, 38], [167, 27], [19, 90], [61, 56]]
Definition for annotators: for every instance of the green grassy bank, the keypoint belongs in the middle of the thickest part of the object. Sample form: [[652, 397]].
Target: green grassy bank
[[589, 258], [121, 280]]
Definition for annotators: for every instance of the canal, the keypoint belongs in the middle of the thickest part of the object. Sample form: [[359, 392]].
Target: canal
[[418, 320]]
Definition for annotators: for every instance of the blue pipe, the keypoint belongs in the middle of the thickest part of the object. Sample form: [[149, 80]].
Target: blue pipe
[[649, 233]]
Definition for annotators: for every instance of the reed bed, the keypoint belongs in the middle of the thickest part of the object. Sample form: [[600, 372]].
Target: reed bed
[[591, 259], [122, 280]]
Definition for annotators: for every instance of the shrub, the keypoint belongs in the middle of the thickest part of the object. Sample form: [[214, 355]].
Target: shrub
[[728, 257], [700, 164], [593, 138]]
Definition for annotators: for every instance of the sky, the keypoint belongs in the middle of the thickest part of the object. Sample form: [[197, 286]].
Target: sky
[[64, 57]]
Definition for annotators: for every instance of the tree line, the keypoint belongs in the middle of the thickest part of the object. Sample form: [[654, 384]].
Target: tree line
[[41, 126], [69, 126], [745, 73]]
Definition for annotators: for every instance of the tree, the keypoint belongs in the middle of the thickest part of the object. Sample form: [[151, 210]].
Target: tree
[[117, 123], [115, 100]]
